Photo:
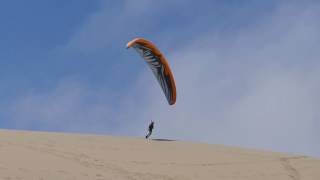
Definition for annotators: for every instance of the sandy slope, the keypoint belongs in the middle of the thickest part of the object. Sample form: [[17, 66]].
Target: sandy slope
[[54, 156]]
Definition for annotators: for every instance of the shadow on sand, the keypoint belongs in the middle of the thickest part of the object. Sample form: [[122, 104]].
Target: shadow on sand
[[163, 140]]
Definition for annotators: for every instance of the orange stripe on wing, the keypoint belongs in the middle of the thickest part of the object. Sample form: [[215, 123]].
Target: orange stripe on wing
[[163, 60]]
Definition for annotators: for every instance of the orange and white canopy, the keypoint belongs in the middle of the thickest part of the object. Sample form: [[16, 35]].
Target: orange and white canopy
[[159, 66]]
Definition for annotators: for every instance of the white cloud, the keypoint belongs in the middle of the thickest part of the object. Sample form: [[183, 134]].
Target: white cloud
[[113, 23], [260, 90], [69, 106]]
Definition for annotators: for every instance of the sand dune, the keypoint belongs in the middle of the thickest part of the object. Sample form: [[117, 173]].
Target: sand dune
[[58, 156]]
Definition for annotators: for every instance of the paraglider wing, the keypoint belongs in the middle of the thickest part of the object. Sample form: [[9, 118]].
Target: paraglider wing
[[158, 65]]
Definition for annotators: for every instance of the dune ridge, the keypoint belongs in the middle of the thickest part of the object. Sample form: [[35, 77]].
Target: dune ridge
[[46, 156]]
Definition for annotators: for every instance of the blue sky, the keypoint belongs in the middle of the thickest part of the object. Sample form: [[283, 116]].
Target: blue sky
[[246, 71]]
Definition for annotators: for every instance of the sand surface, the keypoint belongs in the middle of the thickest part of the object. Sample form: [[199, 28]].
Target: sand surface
[[58, 156]]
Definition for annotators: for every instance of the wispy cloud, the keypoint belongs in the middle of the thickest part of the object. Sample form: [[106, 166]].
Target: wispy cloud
[[113, 24], [69, 106], [259, 89]]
